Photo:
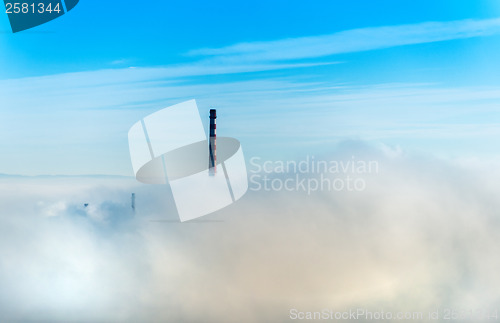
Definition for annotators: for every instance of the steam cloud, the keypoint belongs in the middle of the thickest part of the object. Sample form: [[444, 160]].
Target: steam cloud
[[422, 236]]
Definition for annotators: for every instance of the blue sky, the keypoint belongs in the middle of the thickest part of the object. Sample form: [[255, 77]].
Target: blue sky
[[101, 35], [289, 78]]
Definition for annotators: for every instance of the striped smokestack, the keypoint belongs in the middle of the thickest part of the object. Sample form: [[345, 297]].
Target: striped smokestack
[[212, 163]]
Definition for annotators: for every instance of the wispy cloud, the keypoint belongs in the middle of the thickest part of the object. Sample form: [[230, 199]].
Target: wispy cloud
[[89, 121], [87, 114], [355, 40]]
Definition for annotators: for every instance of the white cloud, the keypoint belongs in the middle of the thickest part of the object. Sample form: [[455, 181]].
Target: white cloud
[[354, 40], [87, 114], [89, 122], [422, 236]]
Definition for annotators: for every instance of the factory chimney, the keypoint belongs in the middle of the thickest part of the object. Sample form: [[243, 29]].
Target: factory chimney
[[212, 163]]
